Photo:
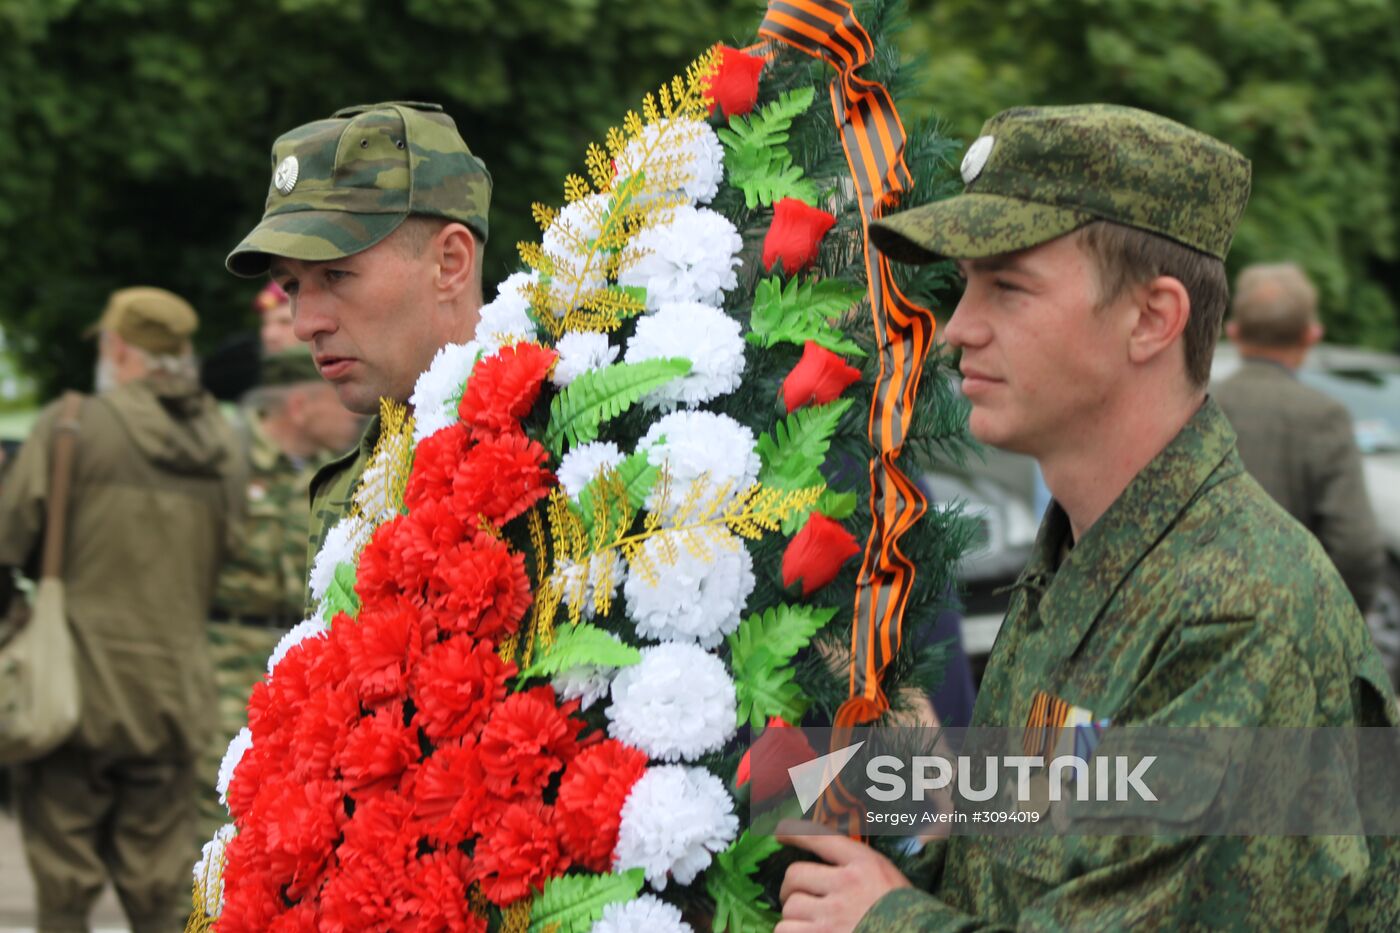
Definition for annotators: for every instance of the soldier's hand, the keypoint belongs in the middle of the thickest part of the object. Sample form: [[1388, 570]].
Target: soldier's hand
[[831, 897]]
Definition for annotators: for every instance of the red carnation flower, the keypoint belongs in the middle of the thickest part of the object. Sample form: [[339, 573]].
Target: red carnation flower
[[377, 749], [299, 824], [503, 389], [456, 685], [323, 723], [252, 900], [435, 462], [520, 854], [795, 235], [480, 588], [300, 919], [380, 647], [591, 794], [395, 561], [437, 894], [501, 478], [371, 879], [448, 792], [816, 553], [779, 748], [734, 85], [527, 739], [819, 377]]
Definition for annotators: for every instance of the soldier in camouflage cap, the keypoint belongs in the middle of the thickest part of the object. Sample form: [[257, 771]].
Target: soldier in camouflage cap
[[1165, 587], [375, 223]]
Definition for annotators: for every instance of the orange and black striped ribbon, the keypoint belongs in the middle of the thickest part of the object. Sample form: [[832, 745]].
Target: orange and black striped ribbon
[[873, 139], [1047, 717]]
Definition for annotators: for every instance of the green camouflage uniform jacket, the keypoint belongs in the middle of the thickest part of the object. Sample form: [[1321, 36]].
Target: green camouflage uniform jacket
[[1194, 601], [331, 489], [266, 577]]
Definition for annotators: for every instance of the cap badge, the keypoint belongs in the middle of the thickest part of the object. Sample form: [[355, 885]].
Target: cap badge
[[285, 178], [976, 158]]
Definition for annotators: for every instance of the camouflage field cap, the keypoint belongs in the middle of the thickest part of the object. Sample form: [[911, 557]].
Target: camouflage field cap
[[342, 184], [288, 367], [1037, 173], [153, 319]]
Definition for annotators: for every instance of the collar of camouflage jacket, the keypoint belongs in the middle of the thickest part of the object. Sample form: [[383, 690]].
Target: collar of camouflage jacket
[[1076, 592]]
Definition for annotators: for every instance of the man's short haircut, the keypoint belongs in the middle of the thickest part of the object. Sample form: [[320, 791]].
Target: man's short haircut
[[1275, 304], [1126, 256]]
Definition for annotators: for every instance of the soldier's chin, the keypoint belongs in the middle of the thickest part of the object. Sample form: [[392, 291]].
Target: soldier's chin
[[992, 430], [361, 399]]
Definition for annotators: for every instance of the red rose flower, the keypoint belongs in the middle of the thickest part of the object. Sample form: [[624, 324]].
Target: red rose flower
[[520, 854], [480, 589], [381, 646], [503, 388], [734, 85], [795, 235], [435, 462], [501, 478], [588, 808], [377, 749], [816, 553], [819, 377], [456, 686], [527, 739], [779, 748]]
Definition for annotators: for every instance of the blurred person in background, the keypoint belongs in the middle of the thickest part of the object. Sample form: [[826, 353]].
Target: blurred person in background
[[274, 309], [1297, 442], [294, 424], [156, 491]]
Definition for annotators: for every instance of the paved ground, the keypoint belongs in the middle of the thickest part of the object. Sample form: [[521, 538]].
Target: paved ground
[[17, 890]]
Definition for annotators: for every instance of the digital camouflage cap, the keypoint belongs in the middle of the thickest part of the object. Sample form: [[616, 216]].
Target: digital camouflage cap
[[1037, 173], [342, 184]]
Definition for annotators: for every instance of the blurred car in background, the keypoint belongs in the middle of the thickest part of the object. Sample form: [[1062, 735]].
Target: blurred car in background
[[1000, 494]]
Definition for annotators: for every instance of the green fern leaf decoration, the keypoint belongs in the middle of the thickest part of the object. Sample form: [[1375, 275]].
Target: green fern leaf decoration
[[577, 413], [739, 903], [793, 454], [759, 163], [801, 311], [573, 903], [760, 651], [579, 644], [636, 476]]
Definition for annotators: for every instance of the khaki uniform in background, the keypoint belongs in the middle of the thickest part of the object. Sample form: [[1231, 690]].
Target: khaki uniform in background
[[258, 599], [157, 487], [1299, 445]]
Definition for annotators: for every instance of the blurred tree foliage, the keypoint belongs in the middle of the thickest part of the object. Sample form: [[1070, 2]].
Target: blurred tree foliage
[[135, 134], [1309, 90]]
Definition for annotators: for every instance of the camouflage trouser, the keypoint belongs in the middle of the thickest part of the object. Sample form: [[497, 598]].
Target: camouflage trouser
[[239, 654]]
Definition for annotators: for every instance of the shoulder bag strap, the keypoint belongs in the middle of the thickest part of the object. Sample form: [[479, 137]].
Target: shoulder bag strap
[[56, 520]]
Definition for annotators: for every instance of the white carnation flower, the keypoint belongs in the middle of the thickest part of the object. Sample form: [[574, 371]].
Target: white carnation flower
[[342, 546], [581, 465], [646, 914], [232, 756], [676, 703], [439, 388], [567, 244], [689, 158], [587, 683], [585, 591], [697, 598], [691, 445], [307, 628], [691, 257], [209, 870], [580, 353], [674, 820], [706, 336], [506, 319]]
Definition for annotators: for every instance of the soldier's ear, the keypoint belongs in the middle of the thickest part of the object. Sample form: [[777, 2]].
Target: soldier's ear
[[1163, 307], [457, 254]]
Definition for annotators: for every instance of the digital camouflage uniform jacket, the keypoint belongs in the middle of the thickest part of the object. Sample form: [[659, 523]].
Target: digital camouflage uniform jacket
[[1194, 601], [331, 489], [156, 496], [266, 576]]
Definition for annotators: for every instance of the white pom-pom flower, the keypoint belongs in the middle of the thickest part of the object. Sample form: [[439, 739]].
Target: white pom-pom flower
[[674, 820], [232, 756], [209, 870], [686, 156], [706, 336], [696, 446], [691, 257], [676, 703], [581, 590], [578, 270], [699, 594], [587, 683], [342, 546], [581, 466], [580, 353], [307, 628], [646, 914], [439, 388], [506, 318]]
